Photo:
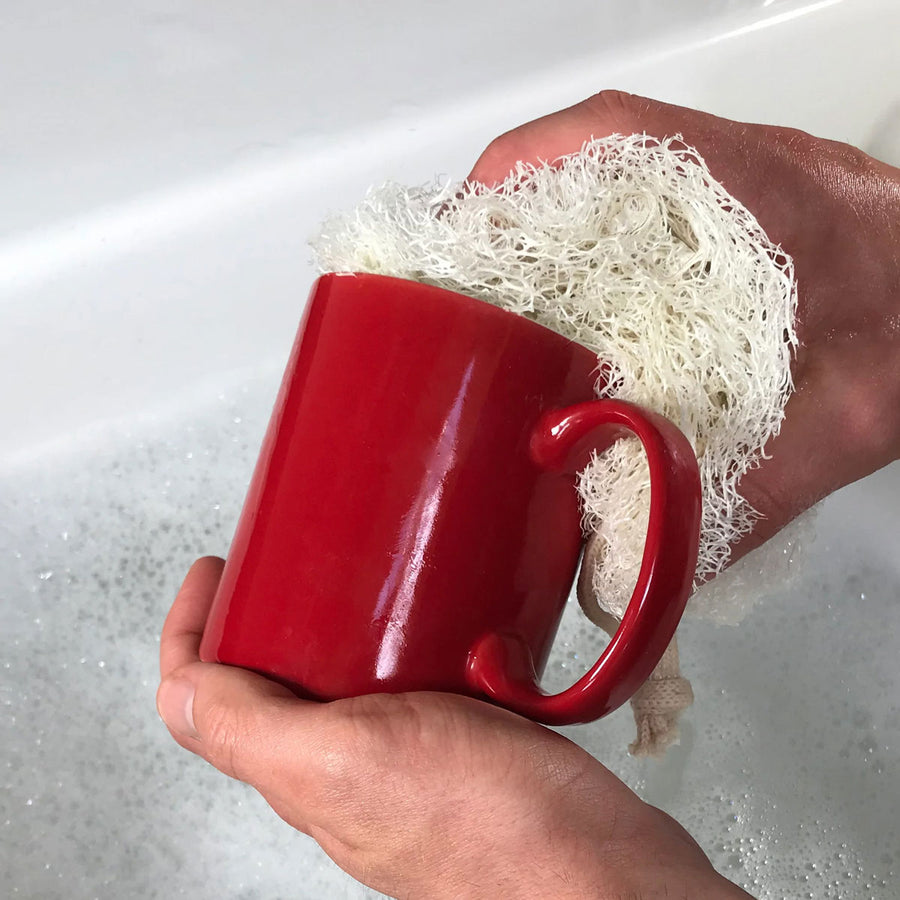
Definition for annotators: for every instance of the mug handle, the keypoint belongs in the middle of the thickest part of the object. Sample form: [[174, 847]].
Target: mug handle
[[500, 665]]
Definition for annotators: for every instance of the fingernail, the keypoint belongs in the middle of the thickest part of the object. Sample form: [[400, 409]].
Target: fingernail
[[175, 703]]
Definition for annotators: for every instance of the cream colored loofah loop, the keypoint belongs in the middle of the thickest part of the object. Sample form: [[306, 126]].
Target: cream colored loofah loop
[[659, 702]]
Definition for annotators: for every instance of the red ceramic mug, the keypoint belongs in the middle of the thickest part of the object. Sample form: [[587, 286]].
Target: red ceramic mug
[[412, 523]]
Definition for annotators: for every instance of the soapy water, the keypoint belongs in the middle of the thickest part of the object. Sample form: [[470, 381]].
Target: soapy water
[[784, 773]]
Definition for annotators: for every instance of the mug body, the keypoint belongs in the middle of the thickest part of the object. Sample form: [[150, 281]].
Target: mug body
[[396, 514]]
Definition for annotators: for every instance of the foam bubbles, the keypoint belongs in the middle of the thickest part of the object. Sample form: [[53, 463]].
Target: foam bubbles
[[97, 800], [785, 771]]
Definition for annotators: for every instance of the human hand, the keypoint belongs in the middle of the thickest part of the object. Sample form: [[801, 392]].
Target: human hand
[[424, 795], [836, 211]]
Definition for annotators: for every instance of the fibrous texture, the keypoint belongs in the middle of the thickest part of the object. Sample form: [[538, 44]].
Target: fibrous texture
[[632, 248]]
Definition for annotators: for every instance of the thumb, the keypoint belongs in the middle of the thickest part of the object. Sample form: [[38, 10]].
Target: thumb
[[243, 724]]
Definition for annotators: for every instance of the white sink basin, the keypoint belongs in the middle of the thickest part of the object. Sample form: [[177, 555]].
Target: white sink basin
[[162, 168]]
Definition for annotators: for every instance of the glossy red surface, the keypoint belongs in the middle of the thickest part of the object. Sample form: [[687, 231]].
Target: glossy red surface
[[412, 522]]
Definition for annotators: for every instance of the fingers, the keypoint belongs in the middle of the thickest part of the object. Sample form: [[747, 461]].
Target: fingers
[[555, 135], [748, 160], [564, 132], [184, 625], [245, 725], [808, 459]]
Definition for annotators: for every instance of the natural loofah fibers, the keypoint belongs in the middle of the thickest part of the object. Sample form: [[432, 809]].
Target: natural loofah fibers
[[633, 249]]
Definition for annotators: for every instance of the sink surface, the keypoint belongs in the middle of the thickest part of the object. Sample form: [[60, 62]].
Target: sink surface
[[163, 167]]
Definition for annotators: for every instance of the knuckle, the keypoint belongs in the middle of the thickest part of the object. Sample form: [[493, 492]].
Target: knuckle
[[616, 107], [379, 720], [386, 731], [224, 738], [355, 762], [502, 154]]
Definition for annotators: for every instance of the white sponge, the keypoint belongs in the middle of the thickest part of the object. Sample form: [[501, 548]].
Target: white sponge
[[632, 248]]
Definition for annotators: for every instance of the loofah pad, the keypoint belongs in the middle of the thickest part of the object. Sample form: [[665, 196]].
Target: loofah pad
[[633, 249]]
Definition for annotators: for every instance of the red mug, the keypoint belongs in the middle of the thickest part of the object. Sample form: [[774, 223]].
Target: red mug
[[412, 522]]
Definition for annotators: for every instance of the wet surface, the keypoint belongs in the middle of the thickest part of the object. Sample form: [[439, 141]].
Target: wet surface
[[784, 773]]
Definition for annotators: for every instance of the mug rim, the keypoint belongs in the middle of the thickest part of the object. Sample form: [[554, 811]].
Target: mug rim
[[479, 306]]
